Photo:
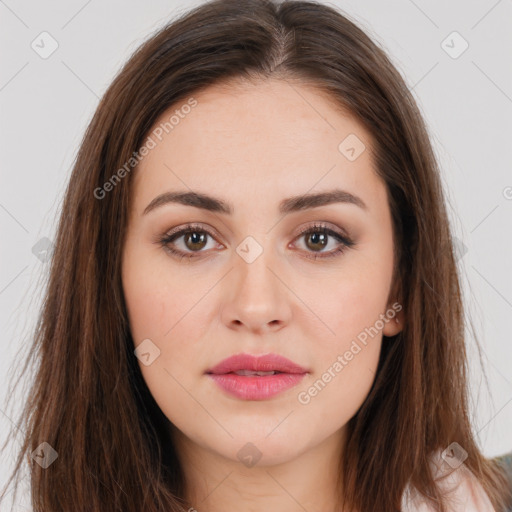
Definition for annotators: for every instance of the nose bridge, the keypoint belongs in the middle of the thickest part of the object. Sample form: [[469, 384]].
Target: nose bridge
[[254, 260], [257, 296]]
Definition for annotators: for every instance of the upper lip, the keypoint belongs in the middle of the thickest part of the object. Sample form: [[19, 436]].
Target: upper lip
[[264, 363]]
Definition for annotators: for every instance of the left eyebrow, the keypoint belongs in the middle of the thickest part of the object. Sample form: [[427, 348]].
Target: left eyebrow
[[289, 205]]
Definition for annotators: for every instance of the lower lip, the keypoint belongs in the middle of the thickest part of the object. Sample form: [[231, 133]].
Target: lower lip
[[256, 388]]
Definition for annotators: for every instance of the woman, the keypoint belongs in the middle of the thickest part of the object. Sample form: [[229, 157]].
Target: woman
[[253, 301]]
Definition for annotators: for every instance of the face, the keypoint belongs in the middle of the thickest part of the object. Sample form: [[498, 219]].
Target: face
[[265, 274]]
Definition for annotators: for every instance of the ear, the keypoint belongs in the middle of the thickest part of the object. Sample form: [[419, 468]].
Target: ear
[[396, 323]]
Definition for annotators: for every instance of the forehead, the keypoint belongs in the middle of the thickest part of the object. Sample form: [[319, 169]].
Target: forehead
[[270, 137]]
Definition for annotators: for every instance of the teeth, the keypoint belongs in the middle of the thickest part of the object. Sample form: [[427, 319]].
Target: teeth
[[250, 372]]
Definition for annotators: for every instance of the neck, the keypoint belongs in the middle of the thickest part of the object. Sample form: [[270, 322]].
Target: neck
[[308, 481]]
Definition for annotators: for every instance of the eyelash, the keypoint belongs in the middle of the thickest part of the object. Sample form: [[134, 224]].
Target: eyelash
[[168, 238]]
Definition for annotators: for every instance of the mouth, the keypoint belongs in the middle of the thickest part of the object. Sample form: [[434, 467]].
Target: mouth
[[249, 377], [267, 364], [246, 373]]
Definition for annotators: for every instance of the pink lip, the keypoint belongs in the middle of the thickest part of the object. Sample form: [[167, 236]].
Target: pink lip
[[256, 387]]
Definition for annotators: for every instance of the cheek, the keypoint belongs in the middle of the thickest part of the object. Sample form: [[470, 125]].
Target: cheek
[[147, 301], [153, 298], [347, 329], [333, 396], [162, 310], [347, 352], [168, 309], [345, 305]]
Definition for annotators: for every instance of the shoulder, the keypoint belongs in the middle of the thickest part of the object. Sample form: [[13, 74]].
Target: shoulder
[[463, 491]]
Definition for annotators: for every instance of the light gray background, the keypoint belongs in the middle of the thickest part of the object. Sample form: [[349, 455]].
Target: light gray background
[[467, 102]]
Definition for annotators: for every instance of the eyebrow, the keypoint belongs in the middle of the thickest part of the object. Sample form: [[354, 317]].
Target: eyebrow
[[289, 205]]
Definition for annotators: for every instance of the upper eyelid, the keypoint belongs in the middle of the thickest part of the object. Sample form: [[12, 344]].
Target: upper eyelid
[[201, 227], [176, 233], [180, 231], [344, 240]]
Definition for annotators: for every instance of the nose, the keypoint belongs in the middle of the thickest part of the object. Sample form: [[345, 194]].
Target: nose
[[256, 298]]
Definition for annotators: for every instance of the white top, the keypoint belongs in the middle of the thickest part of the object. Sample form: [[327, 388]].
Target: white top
[[465, 493]]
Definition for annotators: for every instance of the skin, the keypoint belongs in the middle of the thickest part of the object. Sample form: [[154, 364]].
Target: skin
[[253, 146]]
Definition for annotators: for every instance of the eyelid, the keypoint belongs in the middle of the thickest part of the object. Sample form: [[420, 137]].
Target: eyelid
[[190, 226], [326, 225], [344, 239]]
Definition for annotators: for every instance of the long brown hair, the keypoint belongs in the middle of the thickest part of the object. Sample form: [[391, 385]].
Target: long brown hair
[[89, 401]]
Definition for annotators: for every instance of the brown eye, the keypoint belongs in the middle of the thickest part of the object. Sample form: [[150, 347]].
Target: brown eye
[[188, 242], [192, 241], [195, 240], [318, 237], [317, 240]]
